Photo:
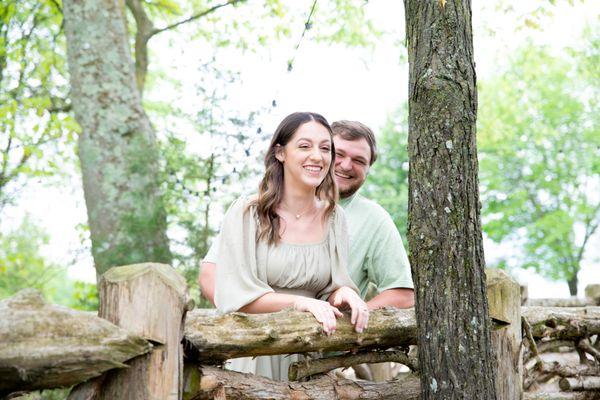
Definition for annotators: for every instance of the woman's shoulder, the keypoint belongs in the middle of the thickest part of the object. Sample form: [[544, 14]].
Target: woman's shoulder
[[242, 204], [337, 216]]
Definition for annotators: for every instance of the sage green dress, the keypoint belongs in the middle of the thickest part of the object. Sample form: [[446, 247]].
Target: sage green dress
[[246, 270]]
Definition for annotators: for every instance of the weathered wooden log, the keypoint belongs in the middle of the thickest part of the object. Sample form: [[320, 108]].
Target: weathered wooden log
[[559, 302], [308, 367], [214, 383], [580, 383], [585, 345], [151, 300], [213, 338], [543, 371], [568, 323], [562, 396], [504, 302], [47, 346]]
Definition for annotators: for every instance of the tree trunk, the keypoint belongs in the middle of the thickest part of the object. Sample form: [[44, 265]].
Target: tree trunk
[[572, 282], [445, 241], [117, 145]]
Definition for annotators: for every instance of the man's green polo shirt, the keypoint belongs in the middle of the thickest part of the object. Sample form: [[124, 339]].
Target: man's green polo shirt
[[376, 251]]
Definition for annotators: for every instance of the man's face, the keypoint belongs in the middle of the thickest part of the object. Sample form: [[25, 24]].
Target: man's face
[[352, 159]]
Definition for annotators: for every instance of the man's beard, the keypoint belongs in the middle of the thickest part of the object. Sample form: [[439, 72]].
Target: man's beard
[[349, 191]]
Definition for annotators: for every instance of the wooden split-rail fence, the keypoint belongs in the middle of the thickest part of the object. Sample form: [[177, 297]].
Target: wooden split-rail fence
[[147, 342]]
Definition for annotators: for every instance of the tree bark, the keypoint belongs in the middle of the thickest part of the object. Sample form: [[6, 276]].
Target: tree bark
[[215, 383], [209, 338], [45, 346], [117, 145], [572, 282], [444, 232]]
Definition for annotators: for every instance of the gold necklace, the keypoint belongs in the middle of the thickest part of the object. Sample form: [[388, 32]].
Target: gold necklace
[[298, 215]]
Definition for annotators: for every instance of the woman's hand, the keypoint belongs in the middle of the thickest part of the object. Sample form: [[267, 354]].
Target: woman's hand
[[324, 312], [345, 296]]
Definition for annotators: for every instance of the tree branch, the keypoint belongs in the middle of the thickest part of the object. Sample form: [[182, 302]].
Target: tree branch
[[194, 17]]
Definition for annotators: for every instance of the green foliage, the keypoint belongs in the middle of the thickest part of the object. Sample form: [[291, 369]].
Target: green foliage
[[539, 147], [388, 179], [345, 22], [84, 296], [23, 266], [34, 125], [200, 181]]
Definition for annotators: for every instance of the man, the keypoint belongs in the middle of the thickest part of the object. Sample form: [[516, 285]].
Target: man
[[377, 255]]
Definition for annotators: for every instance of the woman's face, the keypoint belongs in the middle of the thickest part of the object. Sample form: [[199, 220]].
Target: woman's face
[[306, 157]]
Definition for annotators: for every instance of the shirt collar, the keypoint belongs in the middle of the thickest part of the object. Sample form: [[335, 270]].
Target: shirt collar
[[345, 202]]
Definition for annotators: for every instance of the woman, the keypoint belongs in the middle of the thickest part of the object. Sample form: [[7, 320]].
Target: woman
[[287, 247]]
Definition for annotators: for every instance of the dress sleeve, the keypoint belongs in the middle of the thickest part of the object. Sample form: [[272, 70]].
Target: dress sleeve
[[213, 252], [237, 282], [338, 250]]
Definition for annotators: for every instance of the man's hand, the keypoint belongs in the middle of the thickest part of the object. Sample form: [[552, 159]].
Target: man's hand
[[399, 298], [206, 280]]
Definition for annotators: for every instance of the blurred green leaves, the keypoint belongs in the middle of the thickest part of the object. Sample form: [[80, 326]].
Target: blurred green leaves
[[539, 150], [34, 122], [388, 178]]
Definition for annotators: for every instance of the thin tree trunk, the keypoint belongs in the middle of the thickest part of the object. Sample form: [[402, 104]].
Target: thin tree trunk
[[445, 240], [117, 145], [572, 282]]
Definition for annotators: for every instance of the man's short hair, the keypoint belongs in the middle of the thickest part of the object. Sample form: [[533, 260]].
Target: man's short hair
[[354, 130]]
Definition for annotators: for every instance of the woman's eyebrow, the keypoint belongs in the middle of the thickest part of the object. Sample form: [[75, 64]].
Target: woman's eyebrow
[[310, 140]]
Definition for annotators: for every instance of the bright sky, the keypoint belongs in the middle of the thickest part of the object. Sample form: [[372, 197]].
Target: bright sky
[[340, 83]]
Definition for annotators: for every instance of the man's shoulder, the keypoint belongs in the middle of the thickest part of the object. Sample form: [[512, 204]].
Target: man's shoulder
[[370, 207]]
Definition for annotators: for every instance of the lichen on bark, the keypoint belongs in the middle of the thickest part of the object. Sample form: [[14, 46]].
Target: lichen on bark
[[117, 146]]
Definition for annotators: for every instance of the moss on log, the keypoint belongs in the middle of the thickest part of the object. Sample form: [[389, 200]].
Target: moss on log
[[213, 338], [47, 346]]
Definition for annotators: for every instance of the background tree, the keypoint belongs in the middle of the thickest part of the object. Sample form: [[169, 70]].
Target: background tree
[[540, 158], [444, 228], [117, 146]]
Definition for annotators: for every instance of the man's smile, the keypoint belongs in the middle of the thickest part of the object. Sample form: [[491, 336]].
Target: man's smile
[[343, 175]]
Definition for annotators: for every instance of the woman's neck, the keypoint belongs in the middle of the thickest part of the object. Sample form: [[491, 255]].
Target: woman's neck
[[297, 200]]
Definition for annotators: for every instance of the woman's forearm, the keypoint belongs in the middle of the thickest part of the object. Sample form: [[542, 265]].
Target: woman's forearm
[[270, 302]]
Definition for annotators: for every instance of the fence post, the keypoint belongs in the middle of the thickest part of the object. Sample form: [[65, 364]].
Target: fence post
[[504, 299], [592, 292], [149, 300]]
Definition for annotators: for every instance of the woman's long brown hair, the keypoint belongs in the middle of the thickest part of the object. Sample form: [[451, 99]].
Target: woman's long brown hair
[[270, 189]]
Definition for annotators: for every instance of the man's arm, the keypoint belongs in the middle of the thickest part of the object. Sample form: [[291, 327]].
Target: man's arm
[[206, 280], [400, 298]]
